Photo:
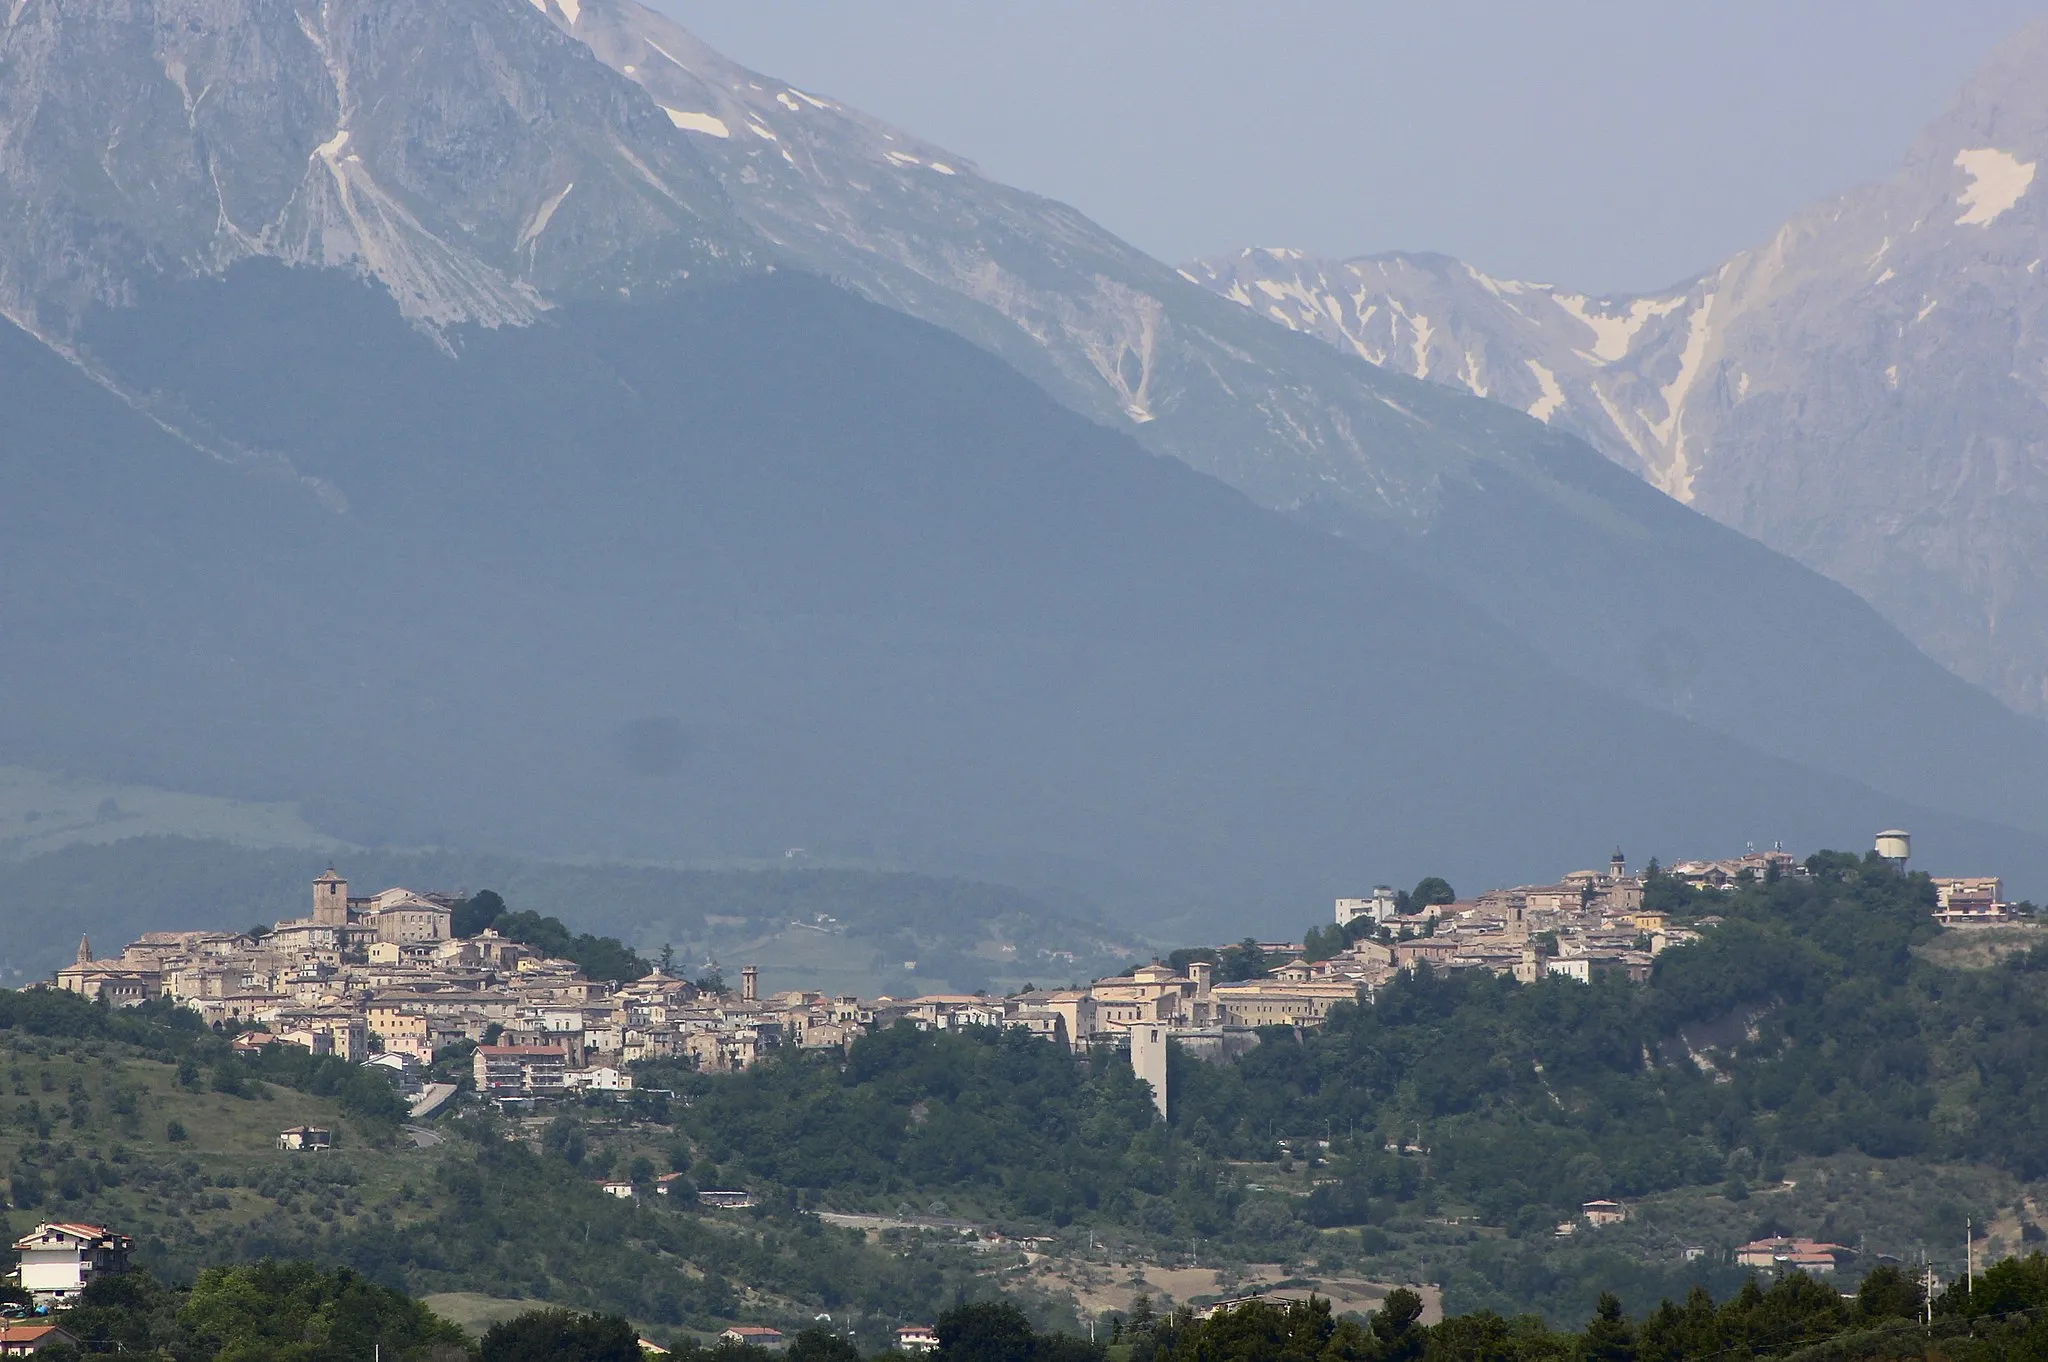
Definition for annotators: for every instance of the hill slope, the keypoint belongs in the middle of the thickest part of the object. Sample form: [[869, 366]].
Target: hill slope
[[766, 567]]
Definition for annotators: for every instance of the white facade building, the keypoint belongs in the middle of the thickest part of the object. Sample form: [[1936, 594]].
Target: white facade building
[[58, 1260]]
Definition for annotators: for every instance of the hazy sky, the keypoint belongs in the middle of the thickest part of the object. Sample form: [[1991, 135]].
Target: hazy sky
[[1608, 144]]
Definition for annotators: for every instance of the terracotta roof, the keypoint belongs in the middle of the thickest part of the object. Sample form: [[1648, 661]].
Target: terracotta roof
[[76, 1231], [27, 1333]]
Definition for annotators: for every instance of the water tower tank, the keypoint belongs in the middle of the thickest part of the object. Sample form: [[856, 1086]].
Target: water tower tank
[[1894, 845]]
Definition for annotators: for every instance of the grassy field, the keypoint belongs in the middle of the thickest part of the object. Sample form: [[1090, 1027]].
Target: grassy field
[[88, 1132], [476, 1312]]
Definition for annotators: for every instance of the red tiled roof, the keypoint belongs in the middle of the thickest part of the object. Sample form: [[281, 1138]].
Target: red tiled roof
[[26, 1333], [74, 1230]]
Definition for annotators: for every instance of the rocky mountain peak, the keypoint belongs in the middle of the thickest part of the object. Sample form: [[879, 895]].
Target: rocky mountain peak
[[463, 153], [1867, 390]]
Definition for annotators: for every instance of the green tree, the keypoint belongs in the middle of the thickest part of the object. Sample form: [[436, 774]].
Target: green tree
[[602, 957], [1242, 962], [476, 913], [1397, 1326], [1608, 1337], [1259, 1331], [560, 1336], [816, 1344], [1430, 892], [297, 1312], [564, 1138], [985, 1331], [1888, 1293]]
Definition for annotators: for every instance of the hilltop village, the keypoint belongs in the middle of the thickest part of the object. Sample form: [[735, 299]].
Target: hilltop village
[[384, 979]]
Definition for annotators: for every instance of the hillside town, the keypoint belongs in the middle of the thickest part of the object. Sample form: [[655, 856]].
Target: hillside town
[[384, 979]]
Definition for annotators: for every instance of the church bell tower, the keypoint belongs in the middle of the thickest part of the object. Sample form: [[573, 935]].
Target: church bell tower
[[330, 900]]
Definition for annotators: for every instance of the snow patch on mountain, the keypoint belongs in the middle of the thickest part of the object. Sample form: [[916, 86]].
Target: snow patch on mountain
[[545, 215], [711, 125], [1748, 392], [1552, 399], [1612, 335], [1998, 180], [1676, 477]]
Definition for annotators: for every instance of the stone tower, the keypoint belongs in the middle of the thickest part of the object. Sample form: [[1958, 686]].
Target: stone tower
[[1148, 1060], [330, 900], [84, 950], [750, 985]]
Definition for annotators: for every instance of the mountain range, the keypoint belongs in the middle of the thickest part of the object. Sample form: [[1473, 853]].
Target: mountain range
[[1592, 574], [500, 427], [1866, 392]]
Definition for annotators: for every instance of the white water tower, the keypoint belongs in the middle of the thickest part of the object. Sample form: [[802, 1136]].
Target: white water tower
[[1895, 846]]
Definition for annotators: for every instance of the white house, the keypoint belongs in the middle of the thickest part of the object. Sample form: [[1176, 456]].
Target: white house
[[598, 1078], [759, 1335], [1603, 1212], [57, 1261], [917, 1338], [305, 1137]]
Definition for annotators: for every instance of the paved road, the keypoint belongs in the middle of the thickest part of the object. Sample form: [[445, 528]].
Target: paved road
[[431, 1099], [422, 1137]]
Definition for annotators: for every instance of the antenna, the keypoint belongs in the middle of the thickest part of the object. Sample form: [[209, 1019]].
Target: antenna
[[1969, 1255]]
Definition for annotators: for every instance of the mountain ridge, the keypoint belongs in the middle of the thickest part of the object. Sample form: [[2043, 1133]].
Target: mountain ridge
[[986, 632], [438, 151], [1521, 523], [1890, 337]]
